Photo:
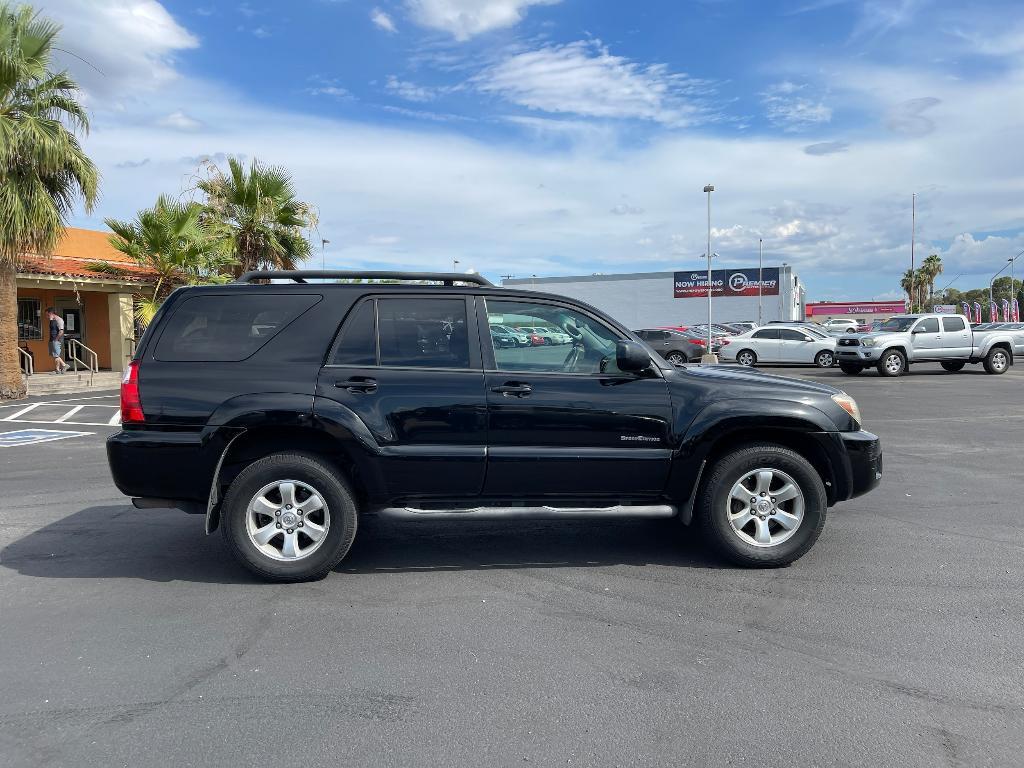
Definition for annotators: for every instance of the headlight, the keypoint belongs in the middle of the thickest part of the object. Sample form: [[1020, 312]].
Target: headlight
[[849, 405], [867, 342]]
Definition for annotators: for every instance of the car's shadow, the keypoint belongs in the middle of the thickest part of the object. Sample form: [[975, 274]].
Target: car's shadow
[[117, 542]]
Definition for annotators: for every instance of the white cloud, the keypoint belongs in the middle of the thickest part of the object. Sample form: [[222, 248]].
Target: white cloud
[[908, 118], [465, 18], [785, 106], [383, 21], [261, 32], [328, 87], [583, 78], [624, 209], [129, 44], [179, 121], [410, 91], [383, 239]]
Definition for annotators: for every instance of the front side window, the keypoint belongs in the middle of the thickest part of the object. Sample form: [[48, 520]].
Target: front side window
[[767, 333], [223, 328], [928, 325], [423, 333], [571, 343], [788, 334], [953, 324]]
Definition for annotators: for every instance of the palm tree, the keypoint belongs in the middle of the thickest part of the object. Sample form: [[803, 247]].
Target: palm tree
[[908, 284], [255, 216], [173, 241], [43, 168], [932, 267]]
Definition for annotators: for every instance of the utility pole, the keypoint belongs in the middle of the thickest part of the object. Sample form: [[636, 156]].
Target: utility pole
[[913, 234], [455, 265], [709, 356], [760, 280]]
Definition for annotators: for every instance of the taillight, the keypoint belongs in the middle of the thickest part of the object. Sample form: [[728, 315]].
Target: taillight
[[725, 342], [131, 405], [699, 342]]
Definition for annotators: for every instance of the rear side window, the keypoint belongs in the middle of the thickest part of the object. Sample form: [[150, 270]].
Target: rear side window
[[953, 324], [358, 342], [221, 328], [427, 333]]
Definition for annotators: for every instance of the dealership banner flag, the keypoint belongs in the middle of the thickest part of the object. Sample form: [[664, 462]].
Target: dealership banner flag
[[993, 312], [977, 311], [1016, 311], [1006, 310], [967, 308]]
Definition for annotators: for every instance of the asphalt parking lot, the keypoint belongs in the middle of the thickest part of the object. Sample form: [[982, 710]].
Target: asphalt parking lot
[[130, 638]]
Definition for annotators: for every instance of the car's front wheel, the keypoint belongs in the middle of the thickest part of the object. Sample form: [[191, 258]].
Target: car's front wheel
[[892, 363], [289, 517], [762, 505]]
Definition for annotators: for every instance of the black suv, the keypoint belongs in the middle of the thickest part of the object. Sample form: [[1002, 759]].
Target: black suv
[[284, 412]]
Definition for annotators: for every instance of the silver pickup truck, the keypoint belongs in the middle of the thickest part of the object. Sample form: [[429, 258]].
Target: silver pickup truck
[[906, 339]]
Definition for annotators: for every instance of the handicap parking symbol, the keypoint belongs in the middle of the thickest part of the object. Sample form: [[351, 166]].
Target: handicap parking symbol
[[33, 436]]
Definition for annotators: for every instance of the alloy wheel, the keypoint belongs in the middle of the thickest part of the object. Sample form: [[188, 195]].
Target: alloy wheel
[[893, 363], [287, 520], [765, 507]]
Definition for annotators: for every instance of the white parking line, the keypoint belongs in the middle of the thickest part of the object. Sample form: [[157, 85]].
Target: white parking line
[[65, 400], [69, 414], [16, 414], [115, 419]]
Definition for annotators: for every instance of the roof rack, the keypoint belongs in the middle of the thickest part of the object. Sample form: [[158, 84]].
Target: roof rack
[[301, 275]]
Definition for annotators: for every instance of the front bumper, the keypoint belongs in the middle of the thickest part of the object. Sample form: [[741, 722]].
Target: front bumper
[[863, 355], [864, 458]]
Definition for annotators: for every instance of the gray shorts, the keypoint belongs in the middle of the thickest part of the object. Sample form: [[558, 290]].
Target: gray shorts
[[55, 348]]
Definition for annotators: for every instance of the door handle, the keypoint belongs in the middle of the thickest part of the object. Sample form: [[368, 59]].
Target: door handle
[[513, 389], [358, 384]]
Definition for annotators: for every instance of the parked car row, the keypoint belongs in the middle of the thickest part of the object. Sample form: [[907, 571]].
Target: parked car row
[[506, 336]]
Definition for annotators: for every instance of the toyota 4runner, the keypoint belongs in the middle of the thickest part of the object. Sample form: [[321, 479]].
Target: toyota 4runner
[[284, 413]]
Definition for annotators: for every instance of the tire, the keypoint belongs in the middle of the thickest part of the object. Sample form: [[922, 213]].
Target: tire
[[717, 512], [825, 359], [850, 369], [953, 365], [676, 358], [746, 357], [997, 361], [305, 473], [892, 363]]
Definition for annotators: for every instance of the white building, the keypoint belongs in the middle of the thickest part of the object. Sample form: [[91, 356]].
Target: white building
[[652, 299]]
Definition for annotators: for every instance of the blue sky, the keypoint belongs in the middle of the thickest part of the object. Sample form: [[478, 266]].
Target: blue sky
[[571, 136]]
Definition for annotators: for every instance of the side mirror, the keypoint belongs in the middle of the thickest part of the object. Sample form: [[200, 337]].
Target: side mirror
[[808, 338], [631, 357]]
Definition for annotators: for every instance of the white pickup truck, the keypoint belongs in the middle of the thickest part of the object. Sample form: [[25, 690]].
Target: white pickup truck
[[906, 339]]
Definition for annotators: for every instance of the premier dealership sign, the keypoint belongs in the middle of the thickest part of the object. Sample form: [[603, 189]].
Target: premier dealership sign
[[727, 282]]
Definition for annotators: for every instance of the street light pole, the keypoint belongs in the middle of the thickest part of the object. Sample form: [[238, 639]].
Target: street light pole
[[455, 265], [709, 356], [913, 236], [760, 280]]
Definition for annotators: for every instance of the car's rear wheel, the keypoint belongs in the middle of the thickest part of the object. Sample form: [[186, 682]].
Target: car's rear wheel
[[676, 358], [762, 505], [892, 363], [746, 357], [825, 359], [997, 361], [289, 517], [953, 365], [850, 369]]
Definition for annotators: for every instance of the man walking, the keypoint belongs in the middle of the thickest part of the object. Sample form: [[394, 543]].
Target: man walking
[[56, 340]]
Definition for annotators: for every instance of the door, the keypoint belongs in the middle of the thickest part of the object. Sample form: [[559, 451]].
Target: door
[[796, 346], [409, 369], [957, 339], [765, 344], [73, 317], [564, 421], [928, 342]]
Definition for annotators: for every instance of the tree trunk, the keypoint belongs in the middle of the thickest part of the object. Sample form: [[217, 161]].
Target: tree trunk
[[12, 385]]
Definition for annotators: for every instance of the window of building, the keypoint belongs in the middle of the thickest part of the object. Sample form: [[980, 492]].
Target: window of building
[[222, 328], [30, 320]]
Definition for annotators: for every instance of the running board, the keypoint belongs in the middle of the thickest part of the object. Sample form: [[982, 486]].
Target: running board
[[530, 513]]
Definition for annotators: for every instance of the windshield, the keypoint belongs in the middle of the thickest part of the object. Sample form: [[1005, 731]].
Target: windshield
[[897, 324]]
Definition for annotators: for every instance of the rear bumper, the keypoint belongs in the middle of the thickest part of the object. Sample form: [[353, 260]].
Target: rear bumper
[[164, 464], [864, 458]]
